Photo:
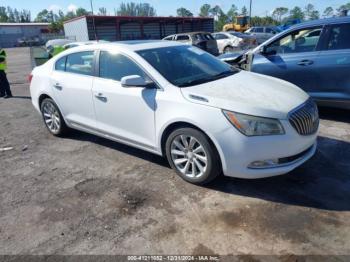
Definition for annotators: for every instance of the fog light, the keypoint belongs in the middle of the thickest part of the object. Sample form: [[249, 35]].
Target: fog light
[[264, 163]]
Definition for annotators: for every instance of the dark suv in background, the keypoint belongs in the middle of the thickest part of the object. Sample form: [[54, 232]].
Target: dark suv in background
[[313, 55], [203, 40]]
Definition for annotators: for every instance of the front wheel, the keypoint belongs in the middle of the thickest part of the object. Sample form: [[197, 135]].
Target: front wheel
[[53, 118], [191, 154]]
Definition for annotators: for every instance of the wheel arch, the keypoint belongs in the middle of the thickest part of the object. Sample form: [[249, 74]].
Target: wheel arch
[[41, 99], [184, 124], [228, 45]]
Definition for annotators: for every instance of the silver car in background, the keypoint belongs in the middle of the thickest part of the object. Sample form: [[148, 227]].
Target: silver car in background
[[229, 42], [263, 33], [202, 40]]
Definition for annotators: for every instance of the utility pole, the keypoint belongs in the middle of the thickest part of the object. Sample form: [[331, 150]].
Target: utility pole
[[250, 13], [92, 7], [93, 20]]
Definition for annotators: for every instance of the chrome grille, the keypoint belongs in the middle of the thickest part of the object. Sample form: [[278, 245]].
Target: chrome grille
[[305, 118]]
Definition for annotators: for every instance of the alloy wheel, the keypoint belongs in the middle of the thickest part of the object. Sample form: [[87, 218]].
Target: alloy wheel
[[51, 117], [189, 156]]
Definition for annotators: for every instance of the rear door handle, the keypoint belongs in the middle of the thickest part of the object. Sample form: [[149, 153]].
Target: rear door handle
[[305, 62], [57, 86], [101, 97]]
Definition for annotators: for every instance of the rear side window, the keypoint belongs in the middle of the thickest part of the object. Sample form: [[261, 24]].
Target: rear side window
[[61, 64], [208, 36], [182, 38], [80, 63], [220, 36], [168, 38], [270, 31], [339, 37], [116, 66], [259, 30]]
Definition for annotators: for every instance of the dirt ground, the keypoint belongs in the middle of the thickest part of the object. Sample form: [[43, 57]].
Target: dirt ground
[[87, 195]]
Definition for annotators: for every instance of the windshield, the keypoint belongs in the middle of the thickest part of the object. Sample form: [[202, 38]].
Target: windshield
[[186, 65]]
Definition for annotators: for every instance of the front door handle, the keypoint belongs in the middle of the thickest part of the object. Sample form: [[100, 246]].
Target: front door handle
[[101, 97], [305, 62], [57, 86]]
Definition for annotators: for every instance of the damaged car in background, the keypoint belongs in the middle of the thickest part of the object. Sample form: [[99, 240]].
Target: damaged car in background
[[231, 41], [313, 55]]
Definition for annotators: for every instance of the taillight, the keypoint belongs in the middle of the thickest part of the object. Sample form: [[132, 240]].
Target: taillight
[[30, 77]]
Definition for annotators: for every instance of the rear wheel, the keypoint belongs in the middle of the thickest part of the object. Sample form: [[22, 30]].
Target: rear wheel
[[53, 118], [192, 156]]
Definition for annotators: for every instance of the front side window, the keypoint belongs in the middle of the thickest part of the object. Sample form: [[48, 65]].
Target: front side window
[[339, 37], [61, 64], [299, 41], [186, 65], [259, 30], [116, 66], [80, 63]]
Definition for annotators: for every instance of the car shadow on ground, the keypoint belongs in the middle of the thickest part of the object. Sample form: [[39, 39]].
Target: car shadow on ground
[[323, 182], [82, 136], [22, 97]]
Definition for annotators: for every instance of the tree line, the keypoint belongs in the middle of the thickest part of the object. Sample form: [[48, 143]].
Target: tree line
[[279, 15], [10, 15]]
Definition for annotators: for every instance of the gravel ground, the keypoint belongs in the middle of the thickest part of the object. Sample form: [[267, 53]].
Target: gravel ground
[[87, 195]]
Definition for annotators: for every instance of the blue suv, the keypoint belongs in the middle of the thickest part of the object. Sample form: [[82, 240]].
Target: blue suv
[[313, 55]]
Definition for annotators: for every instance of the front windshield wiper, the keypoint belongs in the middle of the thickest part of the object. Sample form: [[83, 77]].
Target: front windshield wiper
[[224, 74], [195, 82], [208, 79]]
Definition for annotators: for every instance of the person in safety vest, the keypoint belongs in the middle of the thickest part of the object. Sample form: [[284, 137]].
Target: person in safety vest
[[5, 90], [55, 50]]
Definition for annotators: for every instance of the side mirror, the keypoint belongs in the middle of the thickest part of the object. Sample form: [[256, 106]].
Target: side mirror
[[134, 81]]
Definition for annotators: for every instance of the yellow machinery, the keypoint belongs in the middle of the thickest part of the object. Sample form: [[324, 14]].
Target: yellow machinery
[[240, 25]]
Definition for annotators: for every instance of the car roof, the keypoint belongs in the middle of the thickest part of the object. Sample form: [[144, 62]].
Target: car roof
[[193, 33], [324, 21], [133, 45]]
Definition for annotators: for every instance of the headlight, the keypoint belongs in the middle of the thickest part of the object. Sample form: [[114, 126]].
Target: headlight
[[253, 125]]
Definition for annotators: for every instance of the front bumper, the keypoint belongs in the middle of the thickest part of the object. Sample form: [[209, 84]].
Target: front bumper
[[291, 150]]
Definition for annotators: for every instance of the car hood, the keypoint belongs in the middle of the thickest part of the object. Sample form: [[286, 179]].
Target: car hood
[[248, 93]]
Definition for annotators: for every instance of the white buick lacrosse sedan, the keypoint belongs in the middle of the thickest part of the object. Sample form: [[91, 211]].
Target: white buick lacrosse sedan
[[178, 101]]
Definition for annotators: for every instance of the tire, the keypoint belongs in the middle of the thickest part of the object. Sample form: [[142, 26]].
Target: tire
[[228, 49], [53, 118], [192, 155]]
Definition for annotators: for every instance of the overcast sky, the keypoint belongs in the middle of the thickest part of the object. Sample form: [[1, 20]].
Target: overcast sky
[[168, 7]]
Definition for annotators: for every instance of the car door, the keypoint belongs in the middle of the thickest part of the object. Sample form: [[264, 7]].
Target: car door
[[334, 64], [125, 114], [71, 81], [292, 58]]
